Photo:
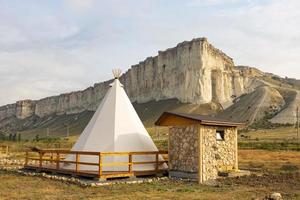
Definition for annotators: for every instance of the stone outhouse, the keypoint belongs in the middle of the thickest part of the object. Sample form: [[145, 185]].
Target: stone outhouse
[[200, 147]]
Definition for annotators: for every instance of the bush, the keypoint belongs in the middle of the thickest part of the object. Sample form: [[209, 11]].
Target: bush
[[289, 168]]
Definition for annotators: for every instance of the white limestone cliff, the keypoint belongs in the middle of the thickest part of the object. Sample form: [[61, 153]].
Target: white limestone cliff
[[192, 72]]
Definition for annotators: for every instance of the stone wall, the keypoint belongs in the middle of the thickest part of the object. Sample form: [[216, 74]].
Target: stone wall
[[192, 72], [217, 154], [183, 149]]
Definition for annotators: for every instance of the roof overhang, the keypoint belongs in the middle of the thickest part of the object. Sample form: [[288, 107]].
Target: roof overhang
[[181, 119]]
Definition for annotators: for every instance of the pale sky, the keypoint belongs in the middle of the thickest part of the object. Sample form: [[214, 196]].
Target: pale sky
[[50, 47]]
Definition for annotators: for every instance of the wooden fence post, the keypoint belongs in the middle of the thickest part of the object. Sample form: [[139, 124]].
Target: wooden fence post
[[57, 160], [51, 158], [41, 159], [77, 160], [26, 158], [156, 161], [130, 163], [100, 165]]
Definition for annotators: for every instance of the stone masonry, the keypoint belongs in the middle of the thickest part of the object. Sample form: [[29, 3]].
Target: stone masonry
[[185, 147], [217, 154]]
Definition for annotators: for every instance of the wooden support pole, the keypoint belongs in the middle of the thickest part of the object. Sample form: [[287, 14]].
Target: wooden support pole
[[77, 160], [41, 159], [26, 158], [156, 162], [51, 157], [100, 165], [200, 153], [57, 160], [236, 166], [130, 163]]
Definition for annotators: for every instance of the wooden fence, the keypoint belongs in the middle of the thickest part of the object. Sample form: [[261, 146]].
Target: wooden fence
[[51, 160]]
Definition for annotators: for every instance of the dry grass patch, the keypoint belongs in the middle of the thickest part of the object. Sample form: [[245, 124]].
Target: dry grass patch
[[13, 186], [269, 160]]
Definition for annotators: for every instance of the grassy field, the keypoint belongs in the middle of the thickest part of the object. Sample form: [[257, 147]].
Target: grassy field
[[282, 138], [281, 167], [23, 187], [269, 161], [288, 133]]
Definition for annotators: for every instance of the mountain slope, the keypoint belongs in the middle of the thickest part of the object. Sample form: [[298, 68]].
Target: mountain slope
[[248, 108], [192, 77]]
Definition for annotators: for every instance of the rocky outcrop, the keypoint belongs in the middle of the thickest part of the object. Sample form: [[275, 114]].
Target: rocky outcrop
[[185, 72], [25, 109], [192, 72]]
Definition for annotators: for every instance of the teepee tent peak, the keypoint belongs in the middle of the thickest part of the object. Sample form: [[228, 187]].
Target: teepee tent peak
[[115, 127], [117, 73]]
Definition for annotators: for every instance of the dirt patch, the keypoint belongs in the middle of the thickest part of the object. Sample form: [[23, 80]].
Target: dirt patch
[[277, 182]]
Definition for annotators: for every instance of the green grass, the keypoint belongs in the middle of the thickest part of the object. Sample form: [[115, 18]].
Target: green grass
[[272, 146], [277, 134], [282, 138], [14, 186]]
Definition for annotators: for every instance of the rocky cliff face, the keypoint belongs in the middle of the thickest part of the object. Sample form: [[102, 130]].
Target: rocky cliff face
[[192, 72]]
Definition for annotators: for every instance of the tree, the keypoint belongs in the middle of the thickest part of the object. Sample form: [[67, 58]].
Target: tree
[[10, 137], [37, 137], [19, 137], [14, 137]]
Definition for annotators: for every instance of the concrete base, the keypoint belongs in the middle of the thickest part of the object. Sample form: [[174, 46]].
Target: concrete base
[[183, 175], [121, 179], [237, 173]]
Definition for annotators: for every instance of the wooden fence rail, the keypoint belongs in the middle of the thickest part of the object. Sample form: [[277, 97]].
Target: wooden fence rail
[[51, 160]]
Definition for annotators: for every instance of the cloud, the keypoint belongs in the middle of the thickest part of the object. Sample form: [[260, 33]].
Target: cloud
[[51, 47], [52, 72], [263, 35], [79, 6], [210, 2]]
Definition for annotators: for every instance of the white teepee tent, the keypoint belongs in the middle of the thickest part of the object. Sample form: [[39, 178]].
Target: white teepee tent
[[115, 127]]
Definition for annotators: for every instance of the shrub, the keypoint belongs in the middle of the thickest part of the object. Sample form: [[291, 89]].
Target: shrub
[[289, 168]]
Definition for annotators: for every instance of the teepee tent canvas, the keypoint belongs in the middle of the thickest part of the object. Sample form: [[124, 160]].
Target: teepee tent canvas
[[115, 127]]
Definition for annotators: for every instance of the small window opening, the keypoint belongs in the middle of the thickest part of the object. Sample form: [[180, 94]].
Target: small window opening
[[220, 135]]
